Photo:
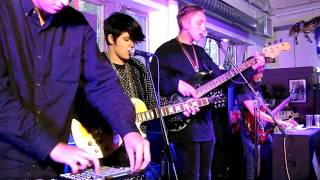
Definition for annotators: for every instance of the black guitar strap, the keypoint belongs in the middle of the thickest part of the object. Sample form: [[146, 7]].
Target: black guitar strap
[[206, 64]]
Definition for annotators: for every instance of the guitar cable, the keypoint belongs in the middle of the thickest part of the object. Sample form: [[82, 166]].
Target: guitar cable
[[285, 157]]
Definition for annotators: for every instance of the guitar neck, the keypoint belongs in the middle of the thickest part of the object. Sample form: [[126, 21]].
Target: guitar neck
[[271, 51], [169, 110], [204, 89], [281, 105]]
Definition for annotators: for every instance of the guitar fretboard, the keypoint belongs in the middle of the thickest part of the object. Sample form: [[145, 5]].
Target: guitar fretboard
[[169, 110], [281, 105], [271, 51], [209, 86]]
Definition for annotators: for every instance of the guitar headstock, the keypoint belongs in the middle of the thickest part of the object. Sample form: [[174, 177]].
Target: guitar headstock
[[273, 51]]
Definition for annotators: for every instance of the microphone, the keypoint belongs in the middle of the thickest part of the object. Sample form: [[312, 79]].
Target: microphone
[[135, 52]]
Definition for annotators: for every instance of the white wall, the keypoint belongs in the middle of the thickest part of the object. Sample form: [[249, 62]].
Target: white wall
[[303, 54], [163, 25]]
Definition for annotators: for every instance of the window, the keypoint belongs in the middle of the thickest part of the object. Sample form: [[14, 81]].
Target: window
[[93, 12], [231, 51], [212, 50]]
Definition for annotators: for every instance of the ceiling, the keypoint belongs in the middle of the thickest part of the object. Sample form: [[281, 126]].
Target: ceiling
[[278, 4], [275, 7]]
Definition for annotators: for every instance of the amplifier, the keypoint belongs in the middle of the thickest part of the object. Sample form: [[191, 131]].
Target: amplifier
[[302, 146], [116, 173]]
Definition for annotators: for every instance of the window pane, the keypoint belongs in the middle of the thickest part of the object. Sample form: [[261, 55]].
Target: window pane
[[212, 50]]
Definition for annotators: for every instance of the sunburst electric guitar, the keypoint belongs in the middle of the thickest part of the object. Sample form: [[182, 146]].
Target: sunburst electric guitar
[[263, 131], [101, 144]]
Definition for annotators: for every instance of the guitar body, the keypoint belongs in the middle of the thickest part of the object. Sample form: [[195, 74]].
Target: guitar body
[[98, 141], [262, 132], [179, 122], [140, 107], [198, 79], [97, 138]]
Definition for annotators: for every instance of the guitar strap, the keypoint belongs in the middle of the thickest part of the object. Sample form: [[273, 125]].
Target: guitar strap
[[206, 64]]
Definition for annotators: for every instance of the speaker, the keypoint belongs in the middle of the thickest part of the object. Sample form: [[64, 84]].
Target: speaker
[[301, 146]]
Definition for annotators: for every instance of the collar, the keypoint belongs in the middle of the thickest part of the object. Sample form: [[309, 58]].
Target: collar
[[27, 6]]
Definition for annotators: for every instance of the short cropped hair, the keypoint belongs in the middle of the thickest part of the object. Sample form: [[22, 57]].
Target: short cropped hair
[[118, 23], [187, 10]]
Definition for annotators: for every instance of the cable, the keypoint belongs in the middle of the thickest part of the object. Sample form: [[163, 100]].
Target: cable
[[285, 157]]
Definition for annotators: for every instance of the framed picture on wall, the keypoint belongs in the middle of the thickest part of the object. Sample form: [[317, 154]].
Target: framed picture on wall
[[298, 90]]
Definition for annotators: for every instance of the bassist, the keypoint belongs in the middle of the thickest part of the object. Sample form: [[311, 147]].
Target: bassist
[[179, 59]]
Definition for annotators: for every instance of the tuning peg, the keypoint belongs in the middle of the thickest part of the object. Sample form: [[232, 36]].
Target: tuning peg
[[269, 43], [280, 40], [275, 41]]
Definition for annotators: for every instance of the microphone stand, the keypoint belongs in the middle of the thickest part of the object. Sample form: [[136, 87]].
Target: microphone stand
[[167, 152], [256, 108]]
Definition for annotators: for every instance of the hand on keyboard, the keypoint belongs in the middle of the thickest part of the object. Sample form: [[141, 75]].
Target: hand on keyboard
[[76, 158]]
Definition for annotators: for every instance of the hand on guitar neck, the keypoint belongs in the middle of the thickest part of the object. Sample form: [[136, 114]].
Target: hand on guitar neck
[[260, 61]]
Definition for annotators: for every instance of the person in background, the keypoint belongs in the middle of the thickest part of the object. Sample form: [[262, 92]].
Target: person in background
[[46, 49], [179, 59], [246, 103]]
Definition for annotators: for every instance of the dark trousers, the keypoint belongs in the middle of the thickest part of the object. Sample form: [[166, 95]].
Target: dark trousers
[[194, 160], [264, 159]]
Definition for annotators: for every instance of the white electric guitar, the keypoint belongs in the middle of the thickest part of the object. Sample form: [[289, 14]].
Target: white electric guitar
[[102, 144]]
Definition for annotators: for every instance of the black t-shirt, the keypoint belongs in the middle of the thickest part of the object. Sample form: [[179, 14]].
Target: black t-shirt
[[175, 66]]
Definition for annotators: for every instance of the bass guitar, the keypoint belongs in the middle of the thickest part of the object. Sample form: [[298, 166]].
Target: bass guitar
[[203, 87], [101, 143]]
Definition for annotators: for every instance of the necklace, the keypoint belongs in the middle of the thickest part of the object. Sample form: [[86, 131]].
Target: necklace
[[194, 62], [125, 78]]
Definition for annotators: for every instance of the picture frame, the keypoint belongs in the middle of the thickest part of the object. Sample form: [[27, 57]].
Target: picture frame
[[298, 90]]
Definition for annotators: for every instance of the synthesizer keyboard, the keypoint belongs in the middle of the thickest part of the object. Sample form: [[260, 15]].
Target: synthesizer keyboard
[[116, 173]]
